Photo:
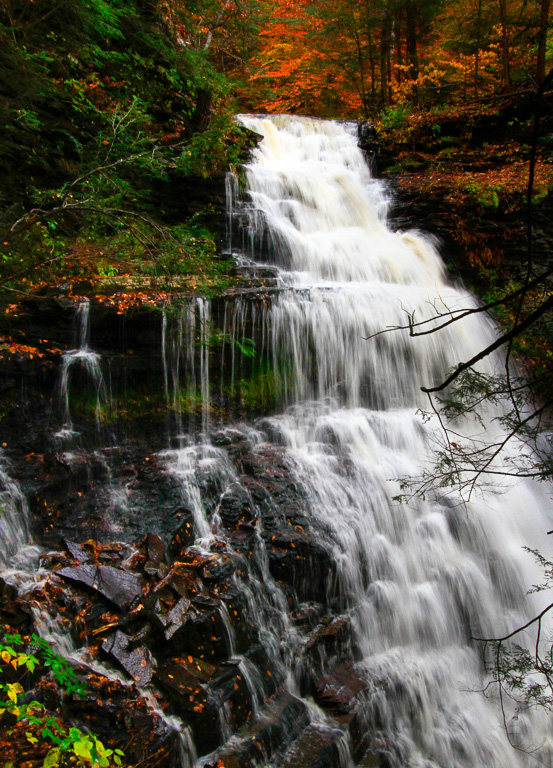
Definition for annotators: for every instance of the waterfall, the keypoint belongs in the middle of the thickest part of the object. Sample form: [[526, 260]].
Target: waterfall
[[339, 615], [419, 578], [184, 328]]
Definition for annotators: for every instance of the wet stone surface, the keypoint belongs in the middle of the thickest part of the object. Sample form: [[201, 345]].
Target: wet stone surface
[[174, 623]]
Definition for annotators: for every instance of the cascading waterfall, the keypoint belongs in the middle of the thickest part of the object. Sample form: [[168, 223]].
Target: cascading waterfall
[[413, 581], [14, 515], [420, 578]]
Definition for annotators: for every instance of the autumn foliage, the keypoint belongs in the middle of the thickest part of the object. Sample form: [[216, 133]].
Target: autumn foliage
[[351, 58]]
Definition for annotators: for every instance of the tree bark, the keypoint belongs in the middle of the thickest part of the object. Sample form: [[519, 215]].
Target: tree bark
[[477, 54], [542, 40], [505, 45], [411, 44], [385, 37], [397, 37]]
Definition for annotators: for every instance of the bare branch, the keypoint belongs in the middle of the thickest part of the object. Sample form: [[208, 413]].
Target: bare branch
[[516, 331], [462, 313], [517, 631]]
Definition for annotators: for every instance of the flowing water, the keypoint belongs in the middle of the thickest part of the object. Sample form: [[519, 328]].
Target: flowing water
[[84, 362], [419, 578], [414, 580]]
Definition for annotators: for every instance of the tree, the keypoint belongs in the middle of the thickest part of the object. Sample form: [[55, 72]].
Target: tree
[[545, 8], [505, 44], [101, 108]]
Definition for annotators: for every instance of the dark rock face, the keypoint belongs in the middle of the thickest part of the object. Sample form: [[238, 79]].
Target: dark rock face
[[188, 625], [115, 585], [135, 662]]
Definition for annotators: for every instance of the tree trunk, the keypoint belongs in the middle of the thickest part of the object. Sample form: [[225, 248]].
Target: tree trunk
[[362, 87], [385, 36], [505, 45], [477, 55], [372, 52], [542, 40], [411, 44], [397, 37]]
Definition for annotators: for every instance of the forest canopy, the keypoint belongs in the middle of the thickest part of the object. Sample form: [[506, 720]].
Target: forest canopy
[[351, 58]]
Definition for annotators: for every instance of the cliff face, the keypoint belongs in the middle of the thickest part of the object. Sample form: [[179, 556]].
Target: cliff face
[[103, 403]]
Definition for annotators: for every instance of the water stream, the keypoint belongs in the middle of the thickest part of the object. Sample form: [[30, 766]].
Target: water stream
[[420, 578]]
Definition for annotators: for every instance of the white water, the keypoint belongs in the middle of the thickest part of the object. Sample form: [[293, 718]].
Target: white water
[[14, 516], [183, 330], [421, 577], [83, 358]]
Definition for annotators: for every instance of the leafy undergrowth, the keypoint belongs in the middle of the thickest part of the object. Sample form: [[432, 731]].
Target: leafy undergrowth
[[490, 188], [114, 132], [30, 731], [185, 256], [472, 154]]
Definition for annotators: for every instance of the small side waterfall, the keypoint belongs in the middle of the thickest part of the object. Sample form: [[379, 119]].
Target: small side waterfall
[[185, 329], [83, 360], [14, 515]]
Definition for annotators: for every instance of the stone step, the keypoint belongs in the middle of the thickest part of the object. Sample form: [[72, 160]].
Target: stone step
[[282, 720], [317, 747], [371, 760]]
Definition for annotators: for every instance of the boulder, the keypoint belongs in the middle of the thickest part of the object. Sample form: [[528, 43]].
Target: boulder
[[122, 589]]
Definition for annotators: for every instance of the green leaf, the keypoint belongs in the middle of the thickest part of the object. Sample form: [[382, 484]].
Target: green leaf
[[52, 758], [247, 347], [80, 748]]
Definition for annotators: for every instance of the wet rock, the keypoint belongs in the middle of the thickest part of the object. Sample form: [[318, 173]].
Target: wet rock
[[136, 662], [77, 552], [281, 721], [227, 436], [183, 686], [183, 537], [119, 587], [371, 760], [339, 689], [201, 670], [317, 747], [218, 568], [307, 615], [205, 636], [174, 619], [191, 700], [236, 507], [299, 558], [329, 631], [56, 560], [281, 499], [155, 552], [181, 579], [7, 591], [229, 687], [14, 613]]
